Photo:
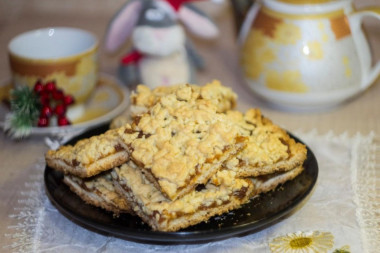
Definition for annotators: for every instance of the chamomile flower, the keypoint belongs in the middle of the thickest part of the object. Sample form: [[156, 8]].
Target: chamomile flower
[[303, 242]]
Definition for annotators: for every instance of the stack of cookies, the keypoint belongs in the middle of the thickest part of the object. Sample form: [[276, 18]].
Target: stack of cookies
[[180, 156]]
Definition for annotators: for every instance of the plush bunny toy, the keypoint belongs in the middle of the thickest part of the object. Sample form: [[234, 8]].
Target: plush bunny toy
[[161, 54]]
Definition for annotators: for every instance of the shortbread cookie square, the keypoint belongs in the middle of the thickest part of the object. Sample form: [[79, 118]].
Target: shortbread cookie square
[[221, 96], [99, 191], [180, 145], [269, 148], [199, 205], [270, 182], [89, 156]]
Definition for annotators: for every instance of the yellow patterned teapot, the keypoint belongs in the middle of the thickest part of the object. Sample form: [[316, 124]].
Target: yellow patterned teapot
[[306, 54]]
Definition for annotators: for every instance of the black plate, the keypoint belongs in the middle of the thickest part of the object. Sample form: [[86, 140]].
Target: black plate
[[259, 213]]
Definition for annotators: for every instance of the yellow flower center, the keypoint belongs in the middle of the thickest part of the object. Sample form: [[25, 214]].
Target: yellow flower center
[[300, 242]]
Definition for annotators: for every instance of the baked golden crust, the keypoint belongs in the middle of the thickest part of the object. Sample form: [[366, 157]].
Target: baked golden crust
[[180, 143], [90, 156], [270, 182], [164, 214], [269, 148], [99, 191], [190, 157], [221, 96]]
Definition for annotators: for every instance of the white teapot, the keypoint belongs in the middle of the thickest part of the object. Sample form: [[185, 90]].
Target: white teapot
[[306, 54]]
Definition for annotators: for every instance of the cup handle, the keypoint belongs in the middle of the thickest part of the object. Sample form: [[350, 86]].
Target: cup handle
[[369, 73], [249, 18]]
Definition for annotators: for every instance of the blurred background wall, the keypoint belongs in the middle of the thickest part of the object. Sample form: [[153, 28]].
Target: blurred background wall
[[94, 16]]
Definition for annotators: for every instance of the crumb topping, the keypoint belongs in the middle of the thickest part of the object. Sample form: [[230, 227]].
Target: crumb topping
[[152, 200], [222, 97], [267, 143], [87, 151], [176, 137], [188, 152]]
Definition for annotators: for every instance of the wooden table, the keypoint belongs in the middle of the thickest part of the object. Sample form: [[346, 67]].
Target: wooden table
[[360, 114]]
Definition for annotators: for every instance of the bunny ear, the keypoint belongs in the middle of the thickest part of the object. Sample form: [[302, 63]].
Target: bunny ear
[[197, 22], [122, 24]]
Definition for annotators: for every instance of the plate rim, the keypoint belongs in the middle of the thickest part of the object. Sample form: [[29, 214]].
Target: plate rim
[[186, 237]]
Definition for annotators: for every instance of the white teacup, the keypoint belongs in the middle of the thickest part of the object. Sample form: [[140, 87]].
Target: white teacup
[[65, 55], [306, 54]]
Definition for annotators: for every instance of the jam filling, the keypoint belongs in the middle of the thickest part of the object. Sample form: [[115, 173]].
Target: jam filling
[[136, 120], [139, 136], [200, 187], [119, 148], [251, 123], [240, 194], [129, 131], [75, 162], [213, 205], [164, 216]]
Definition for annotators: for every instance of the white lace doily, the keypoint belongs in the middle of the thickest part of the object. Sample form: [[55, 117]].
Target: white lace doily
[[344, 208]]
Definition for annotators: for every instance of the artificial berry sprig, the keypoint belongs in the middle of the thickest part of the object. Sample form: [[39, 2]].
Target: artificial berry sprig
[[36, 107], [54, 102]]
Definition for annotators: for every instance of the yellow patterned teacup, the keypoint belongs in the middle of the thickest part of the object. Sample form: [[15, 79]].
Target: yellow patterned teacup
[[65, 55], [306, 54]]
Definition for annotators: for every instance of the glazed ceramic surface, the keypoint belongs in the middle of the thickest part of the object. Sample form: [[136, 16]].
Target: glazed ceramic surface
[[65, 55], [303, 53]]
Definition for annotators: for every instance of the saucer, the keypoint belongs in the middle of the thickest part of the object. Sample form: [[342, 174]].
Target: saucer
[[109, 99]]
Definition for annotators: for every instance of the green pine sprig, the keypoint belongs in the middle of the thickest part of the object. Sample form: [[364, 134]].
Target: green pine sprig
[[25, 109]]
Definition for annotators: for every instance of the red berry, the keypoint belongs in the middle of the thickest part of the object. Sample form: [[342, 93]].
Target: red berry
[[38, 87], [50, 86], [57, 94], [68, 100], [63, 121], [43, 122], [46, 111], [44, 98], [60, 110]]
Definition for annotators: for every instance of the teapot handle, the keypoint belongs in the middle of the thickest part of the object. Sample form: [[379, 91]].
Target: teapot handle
[[356, 18]]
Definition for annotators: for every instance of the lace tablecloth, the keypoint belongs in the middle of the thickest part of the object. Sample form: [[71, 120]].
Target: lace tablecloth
[[341, 215]]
